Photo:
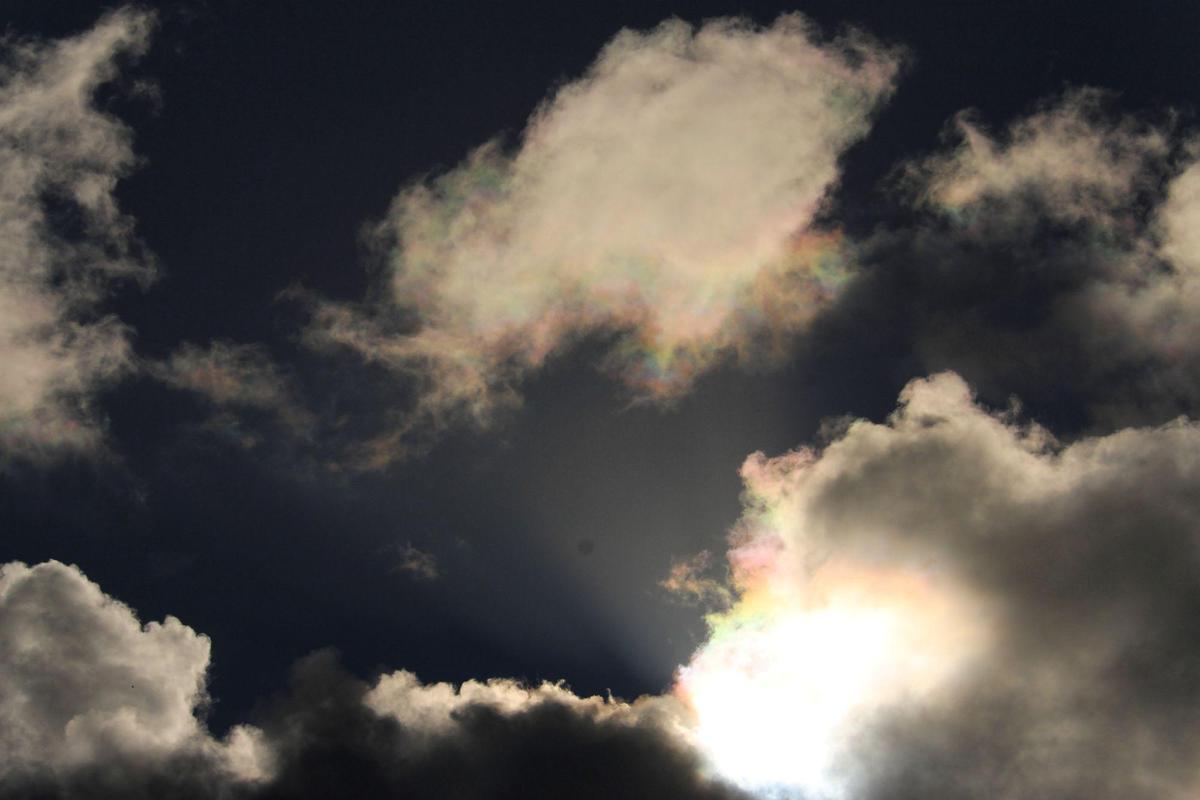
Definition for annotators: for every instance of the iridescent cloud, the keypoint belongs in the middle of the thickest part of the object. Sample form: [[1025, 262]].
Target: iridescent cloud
[[667, 201]]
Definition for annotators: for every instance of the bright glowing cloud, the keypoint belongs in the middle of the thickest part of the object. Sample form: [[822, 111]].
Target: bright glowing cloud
[[63, 240], [782, 683], [954, 570], [668, 199]]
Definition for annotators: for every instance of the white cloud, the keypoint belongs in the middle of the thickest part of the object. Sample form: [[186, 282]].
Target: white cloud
[[83, 682], [61, 157], [667, 197]]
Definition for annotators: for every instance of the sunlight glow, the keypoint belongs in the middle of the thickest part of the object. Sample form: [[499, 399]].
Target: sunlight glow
[[785, 681]]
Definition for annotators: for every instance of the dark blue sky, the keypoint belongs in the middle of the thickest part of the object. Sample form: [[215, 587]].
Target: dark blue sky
[[275, 132]]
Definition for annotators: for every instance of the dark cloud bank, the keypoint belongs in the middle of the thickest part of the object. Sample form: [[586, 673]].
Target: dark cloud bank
[[94, 704]]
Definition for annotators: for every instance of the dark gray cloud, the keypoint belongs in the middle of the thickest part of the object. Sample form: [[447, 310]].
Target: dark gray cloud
[[95, 704], [329, 743], [1058, 247]]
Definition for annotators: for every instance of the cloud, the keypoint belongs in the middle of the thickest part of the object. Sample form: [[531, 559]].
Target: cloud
[[87, 691], [237, 380], [949, 603], [63, 240], [1071, 158], [416, 562], [952, 603], [1060, 245], [95, 704], [226, 373], [687, 581], [665, 202], [336, 736]]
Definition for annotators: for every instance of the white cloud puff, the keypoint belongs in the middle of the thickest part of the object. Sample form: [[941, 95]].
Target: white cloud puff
[[83, 682], [667, 198]]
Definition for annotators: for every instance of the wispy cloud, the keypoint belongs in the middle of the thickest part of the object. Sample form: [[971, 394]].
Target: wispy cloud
[[63, 240], [236, 379], [689, 581], [416, 562]]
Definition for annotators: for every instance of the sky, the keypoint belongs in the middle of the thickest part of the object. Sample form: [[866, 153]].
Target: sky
[[706, 400]]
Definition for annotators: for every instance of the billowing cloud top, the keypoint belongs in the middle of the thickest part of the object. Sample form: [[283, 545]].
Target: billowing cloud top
[[62, 237], [83, 684], [667, 198], [953, 604]]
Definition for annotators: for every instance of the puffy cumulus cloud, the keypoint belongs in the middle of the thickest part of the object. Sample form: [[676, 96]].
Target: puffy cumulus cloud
[[437, 707], [954, 604], [95, 704], [90, 697], [667, 199], [63, 240], [239, 381]]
